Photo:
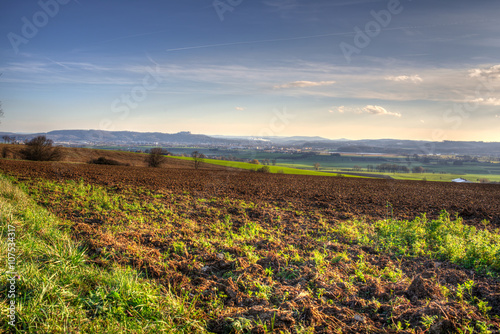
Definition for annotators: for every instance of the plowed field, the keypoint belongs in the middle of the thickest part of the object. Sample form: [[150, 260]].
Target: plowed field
[[297, 254], [339, 197]]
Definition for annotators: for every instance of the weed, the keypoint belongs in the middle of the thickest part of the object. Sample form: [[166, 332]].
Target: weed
[[240, 325], [179, 248], [428, 320], [483, 306]]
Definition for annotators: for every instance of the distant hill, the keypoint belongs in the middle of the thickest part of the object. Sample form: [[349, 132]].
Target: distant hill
[[315, 143], [98, 137], [394, 146]]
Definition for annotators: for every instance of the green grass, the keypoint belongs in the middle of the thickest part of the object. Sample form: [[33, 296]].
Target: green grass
[[429, 176], [58, 289], [249, 166], [444, 239]]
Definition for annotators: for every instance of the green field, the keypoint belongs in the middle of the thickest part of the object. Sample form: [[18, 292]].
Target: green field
[[437, 168], [273, 169]]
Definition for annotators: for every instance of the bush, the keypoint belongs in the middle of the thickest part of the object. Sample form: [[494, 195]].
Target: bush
[[156, 157], [264, 169], [198, 159], [41, 149], [106, 161]]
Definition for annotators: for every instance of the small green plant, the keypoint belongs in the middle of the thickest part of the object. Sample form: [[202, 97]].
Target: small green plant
[[483, 306], [428, 320], [179, 247], [483, 327], [464, 291], [240, 325], [263, 291]]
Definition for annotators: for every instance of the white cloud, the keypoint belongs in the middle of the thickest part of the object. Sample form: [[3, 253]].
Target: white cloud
[[303, 84], [492, 72], [401, 78], [369, 109], [240, 108], [340, 109], [488, 102], [378, 110]]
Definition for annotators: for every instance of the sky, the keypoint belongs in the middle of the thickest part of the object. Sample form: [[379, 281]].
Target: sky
[[359, 69]]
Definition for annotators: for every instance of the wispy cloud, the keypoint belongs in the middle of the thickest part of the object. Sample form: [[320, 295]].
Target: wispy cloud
[[340, 109], [491, 101], [240, 108], [380, 111], [369, 109], [402, 78], [491, 72], [304, 84]]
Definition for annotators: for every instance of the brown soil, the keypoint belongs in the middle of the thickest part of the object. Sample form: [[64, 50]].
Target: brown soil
[[339, 197], [302, 294]]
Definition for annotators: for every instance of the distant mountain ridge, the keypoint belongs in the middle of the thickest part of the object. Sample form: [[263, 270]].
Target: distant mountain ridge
[[96, 137], [315, 143]]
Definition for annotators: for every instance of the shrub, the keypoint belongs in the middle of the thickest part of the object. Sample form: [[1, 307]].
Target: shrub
[[41, 149], [106, 161], [198, 159], [264, 169], [156, 157]]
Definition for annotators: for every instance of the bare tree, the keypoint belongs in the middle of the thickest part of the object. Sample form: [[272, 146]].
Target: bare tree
[[9, 139], [41, 149], [316, 166], [156, 157], [198, 159]]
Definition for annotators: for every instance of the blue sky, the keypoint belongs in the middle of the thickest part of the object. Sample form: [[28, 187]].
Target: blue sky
[[409, 69]]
